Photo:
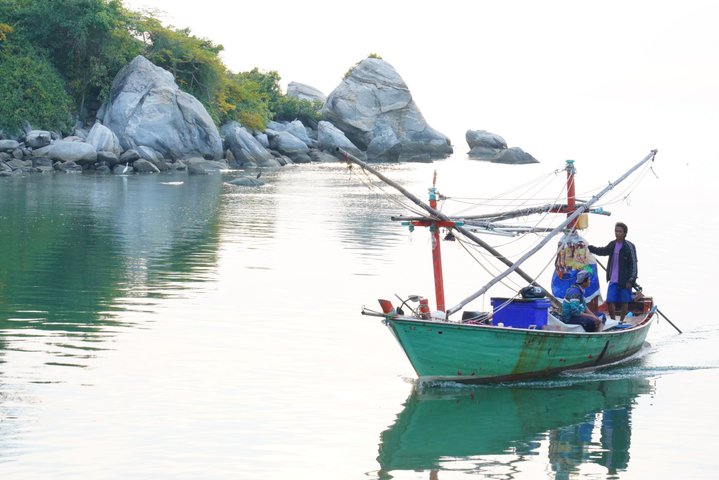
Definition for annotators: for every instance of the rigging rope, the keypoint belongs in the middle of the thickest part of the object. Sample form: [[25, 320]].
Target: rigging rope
[[529, 193], [391, 196]]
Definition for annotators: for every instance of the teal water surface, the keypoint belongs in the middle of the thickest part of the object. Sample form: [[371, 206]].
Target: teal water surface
[[175, 326]]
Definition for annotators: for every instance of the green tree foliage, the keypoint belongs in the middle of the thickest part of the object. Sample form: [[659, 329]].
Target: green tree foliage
[[4, 30], [293, 108], [193, 61], [263, 95], [31, 90], [88, 41], [267, 85], [246, 102]]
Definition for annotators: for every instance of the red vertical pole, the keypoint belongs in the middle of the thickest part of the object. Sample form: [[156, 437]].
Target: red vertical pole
[[436, 251], [571, 194]]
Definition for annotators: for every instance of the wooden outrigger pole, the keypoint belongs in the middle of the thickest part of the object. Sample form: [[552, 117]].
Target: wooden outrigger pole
[[444, 221]]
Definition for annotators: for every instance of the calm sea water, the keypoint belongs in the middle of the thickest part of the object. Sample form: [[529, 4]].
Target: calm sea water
[[176, 327]]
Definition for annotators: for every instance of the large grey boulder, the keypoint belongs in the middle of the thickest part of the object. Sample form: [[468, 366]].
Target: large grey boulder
[[147, 108], [144, 166], [305, 92], [262, 138], [322, 157], [80, 132], [330, 138], [246, 149], [288, 144], [200, 166], [296, 128], [491, 147], [17, 164], [245, 181], [384, 148], [107, 158], [8, 145], [515, 156], [373, 101], [64, 151], [103, 139], [148, 153], [38, 138], [67, 167], [42, 163], [483, 138]]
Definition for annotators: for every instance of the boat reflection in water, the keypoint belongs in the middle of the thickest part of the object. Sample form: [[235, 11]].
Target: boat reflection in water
[[492, 430]]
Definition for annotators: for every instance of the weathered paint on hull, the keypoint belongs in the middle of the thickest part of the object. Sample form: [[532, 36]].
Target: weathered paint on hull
[[483, 354]]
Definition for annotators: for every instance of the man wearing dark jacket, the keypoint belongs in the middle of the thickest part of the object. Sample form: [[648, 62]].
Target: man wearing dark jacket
[[621, 270]]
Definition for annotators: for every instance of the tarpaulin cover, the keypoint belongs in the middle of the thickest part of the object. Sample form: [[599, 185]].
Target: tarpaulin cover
[[572, 256]]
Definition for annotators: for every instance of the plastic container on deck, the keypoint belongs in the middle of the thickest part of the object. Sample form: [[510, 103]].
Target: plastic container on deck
[[520, 313]]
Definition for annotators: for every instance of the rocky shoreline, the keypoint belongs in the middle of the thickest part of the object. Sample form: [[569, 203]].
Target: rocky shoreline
[[149, 125]]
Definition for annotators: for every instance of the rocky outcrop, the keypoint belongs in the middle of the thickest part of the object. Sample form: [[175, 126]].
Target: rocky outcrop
[[329, 138], [305, 92], [68, 151], [38, 138], [288, 144], [200, 166], [246, 149], [150, 126], [491, 147], [147, 108], [515, 156], [67, 167], [245, 181], [144, 166], [103, 139], [374, 102], [297, 129], [8, 145], [387, 148]]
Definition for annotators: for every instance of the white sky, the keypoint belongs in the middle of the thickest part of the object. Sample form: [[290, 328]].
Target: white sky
[[557, 78]]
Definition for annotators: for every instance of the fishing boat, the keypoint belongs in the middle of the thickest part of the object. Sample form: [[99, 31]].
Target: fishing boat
[[523, 337]]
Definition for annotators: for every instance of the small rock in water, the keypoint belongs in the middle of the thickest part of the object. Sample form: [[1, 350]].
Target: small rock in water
[[247, 181]]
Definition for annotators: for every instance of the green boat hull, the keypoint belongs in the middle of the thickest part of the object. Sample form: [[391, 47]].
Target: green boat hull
[[454, 429], [459, 352]]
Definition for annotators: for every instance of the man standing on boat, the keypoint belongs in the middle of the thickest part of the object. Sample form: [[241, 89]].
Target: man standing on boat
[[574, 305], [621, 270]]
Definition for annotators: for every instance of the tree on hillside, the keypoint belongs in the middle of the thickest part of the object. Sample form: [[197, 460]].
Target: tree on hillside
[[280, 107], [87, 41], [194, 61], [245, 102], [82, 44], [293, 108], [4, 30], [32, 91]]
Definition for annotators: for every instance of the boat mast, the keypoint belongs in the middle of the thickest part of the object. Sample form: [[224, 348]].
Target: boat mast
[[436, 249], [571, 196], [571, 217]]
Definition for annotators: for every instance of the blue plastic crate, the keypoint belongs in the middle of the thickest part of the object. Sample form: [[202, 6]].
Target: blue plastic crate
[[520, 313]]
